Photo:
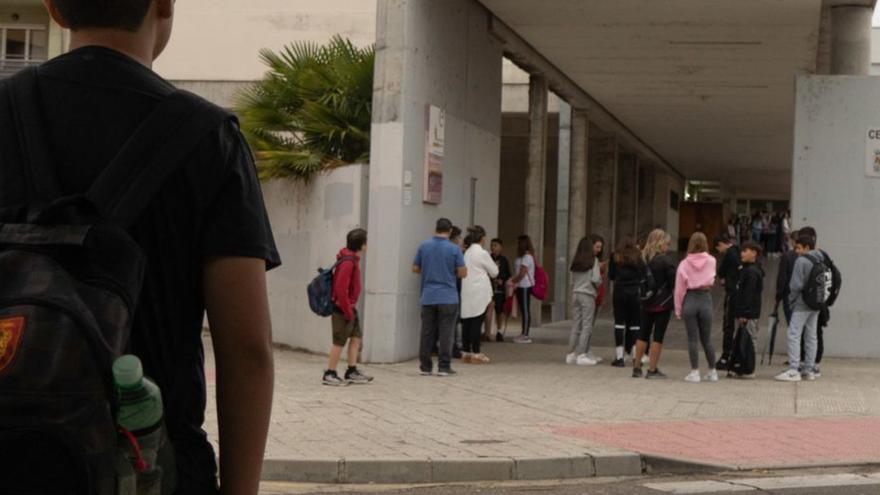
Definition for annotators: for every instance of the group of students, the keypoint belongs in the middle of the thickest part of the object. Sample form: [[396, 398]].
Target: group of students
[[650, 287], [462, 282]]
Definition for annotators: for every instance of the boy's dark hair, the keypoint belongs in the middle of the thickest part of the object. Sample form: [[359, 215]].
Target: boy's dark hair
[[454, 233], [355, 240], [806, 241], [752, 246], [497, 241], [444, 225], [810, 231], [723, 237], [127, 15]]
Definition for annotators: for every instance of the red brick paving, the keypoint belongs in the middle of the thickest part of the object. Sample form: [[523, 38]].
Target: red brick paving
[[747, 443]]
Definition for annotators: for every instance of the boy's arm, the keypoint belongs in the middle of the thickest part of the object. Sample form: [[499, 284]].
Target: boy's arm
[[417, 262], [241, 330], [341, 282], [798, 275]]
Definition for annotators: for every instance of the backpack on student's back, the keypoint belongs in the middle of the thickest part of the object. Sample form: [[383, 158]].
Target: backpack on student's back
[[320, 289], [647, 286], [742, 358], [822, 286], [70, 280], [542, 283]]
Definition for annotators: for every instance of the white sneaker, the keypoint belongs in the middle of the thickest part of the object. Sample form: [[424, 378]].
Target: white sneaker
[[789, 376], [594, 357], [646, 359], [711, 376], [693, 376], [570, 358], [808, 375], [584, 360]]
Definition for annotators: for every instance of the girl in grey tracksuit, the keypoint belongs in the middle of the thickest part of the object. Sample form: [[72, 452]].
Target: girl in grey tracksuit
[[586, 276]]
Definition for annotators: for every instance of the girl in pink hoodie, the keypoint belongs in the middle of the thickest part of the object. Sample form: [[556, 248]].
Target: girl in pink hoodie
[[693, 303]]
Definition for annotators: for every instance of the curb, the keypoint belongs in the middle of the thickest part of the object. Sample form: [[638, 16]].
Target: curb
[[408, 471]]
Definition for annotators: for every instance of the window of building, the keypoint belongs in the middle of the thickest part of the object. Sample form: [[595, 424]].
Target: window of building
[[22, 45]]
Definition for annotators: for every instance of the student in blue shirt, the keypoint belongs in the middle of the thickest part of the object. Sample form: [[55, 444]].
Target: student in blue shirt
[[441, 264]]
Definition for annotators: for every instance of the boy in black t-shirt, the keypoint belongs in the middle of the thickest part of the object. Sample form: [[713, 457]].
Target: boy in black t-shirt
[[499, 291], [206, 233]]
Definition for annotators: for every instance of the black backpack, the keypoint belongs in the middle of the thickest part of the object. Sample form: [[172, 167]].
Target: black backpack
[[822, 285], [70, 278], [320, 289], [647, 286], [742, 358]]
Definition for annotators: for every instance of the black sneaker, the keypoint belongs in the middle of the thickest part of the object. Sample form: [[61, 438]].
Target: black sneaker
[[637, 372], [446, 372], [721, 365], [354, 375], [618, 363], [456, 353], [655, 375], [425, 372], [499, 337], [333, 380]]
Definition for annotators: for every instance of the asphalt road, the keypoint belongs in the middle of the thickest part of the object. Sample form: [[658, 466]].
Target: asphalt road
[[789, 483]]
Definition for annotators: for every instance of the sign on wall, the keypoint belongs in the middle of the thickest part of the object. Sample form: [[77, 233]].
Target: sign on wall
[[872, 153], [434, 147]]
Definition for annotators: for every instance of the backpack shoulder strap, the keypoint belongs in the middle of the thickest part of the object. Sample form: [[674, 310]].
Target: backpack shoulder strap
[[151, 154], [27, 112]]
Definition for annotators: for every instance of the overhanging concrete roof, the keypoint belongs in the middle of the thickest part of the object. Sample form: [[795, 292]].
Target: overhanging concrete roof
[[708, 84]]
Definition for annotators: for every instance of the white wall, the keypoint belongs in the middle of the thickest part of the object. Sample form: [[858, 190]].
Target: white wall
[[309, 222], [437, 53], [220, 40], [830, 191]]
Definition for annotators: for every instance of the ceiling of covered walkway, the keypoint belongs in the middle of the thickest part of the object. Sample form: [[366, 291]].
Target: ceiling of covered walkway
[[709, 84]]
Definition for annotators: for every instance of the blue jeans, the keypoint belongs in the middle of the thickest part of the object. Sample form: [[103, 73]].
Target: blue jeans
[[805, 322]]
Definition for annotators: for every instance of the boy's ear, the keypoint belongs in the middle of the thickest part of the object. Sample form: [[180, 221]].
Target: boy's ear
[[55, 14]]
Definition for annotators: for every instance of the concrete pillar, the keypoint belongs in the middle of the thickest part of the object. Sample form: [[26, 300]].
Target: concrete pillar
[[536, 174], [560, 280], [602, 158], [851, 40], [427, 54], [627, 198], [647, 192], [578, 181]]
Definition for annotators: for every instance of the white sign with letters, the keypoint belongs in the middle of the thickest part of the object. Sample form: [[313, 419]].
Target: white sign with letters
[[872, 153]]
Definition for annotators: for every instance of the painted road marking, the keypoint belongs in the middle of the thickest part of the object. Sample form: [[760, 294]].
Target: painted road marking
[[685, 487], [752, 484]]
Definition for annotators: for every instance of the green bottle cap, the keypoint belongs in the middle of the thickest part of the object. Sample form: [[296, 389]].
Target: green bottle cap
[[128, 371]]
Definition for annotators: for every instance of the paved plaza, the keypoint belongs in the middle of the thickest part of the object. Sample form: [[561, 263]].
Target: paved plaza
[[527, 404]]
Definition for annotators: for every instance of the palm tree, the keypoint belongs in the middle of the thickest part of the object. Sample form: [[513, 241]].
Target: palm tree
[[312, 109]]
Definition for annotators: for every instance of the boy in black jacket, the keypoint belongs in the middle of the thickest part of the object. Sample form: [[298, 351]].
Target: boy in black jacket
[[749, 293], [728, 274]]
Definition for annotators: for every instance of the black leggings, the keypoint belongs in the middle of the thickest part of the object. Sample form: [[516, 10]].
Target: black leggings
[[471, 333], [627, 316], [524, 298], [656, 322]]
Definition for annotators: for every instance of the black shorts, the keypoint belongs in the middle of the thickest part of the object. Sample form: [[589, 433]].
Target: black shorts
[[500, 298]]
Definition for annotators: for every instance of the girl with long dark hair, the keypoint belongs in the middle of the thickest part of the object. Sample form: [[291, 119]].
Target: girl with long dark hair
[[524, 280], [586, 276]]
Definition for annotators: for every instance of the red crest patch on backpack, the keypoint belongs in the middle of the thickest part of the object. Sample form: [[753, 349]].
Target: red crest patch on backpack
[[10, 336]]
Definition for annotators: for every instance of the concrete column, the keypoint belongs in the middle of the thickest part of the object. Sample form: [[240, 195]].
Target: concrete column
[[560, 280], [627, 166], [536, 172], [851, 40], [647, 192], [578, 181], [427, 53], [602, 165]]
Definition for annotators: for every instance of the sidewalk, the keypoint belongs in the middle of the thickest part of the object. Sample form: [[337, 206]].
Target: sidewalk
[[528, 416]]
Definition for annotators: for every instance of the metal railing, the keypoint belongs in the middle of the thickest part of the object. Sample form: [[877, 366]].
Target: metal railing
[[10, 67]]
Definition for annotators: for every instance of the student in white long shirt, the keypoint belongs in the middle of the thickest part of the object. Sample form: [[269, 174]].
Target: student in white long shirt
[[476, 294]]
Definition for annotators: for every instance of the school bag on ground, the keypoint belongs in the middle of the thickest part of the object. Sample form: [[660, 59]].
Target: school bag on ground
[[823, 283], [320, 289], [742, 359], [70, 278]]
